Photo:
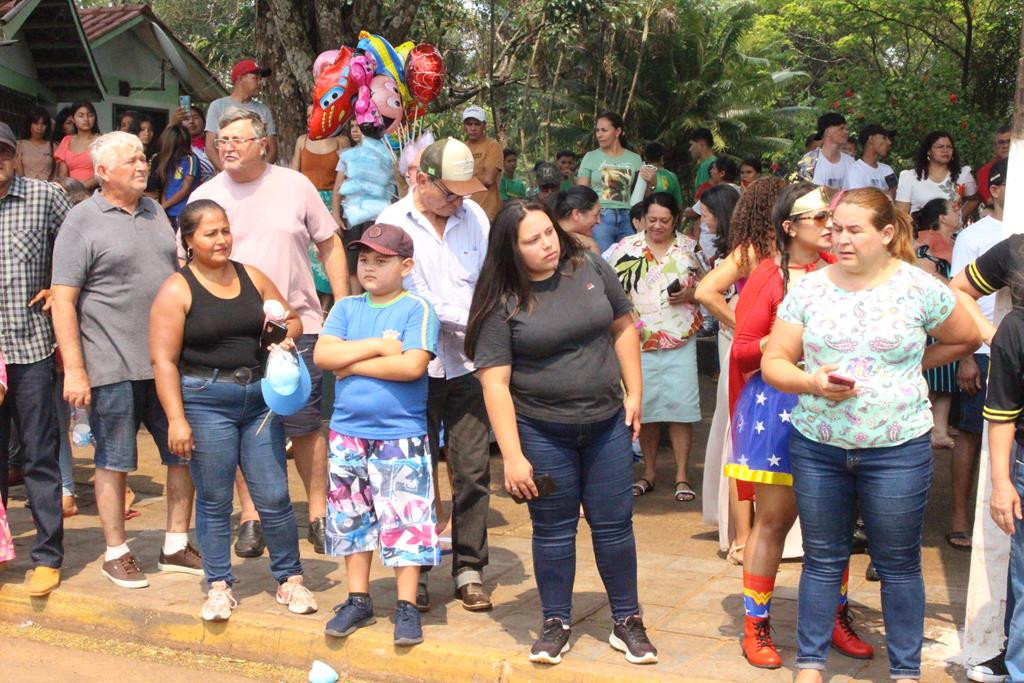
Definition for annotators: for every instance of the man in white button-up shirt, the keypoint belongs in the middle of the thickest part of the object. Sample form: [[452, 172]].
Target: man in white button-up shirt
[[450, 237]]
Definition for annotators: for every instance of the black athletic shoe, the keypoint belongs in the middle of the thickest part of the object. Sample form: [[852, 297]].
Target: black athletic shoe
[[250, 541], [552, 644], [630, 637], [990, 671]]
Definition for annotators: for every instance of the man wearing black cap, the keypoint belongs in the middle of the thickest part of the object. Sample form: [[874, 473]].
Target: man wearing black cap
[[827, 165], [247, 80], [869, 171]]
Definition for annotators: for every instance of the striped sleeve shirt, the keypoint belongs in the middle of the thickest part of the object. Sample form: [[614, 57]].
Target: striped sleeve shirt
[[30, 214], [1004, 400], [1001, 266]]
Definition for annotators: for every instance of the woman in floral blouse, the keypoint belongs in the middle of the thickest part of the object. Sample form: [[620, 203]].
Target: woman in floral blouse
[[659, 270], [862, 422]]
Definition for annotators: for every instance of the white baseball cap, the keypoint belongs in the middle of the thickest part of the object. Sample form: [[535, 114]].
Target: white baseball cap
[[450, 161], [475, 112]]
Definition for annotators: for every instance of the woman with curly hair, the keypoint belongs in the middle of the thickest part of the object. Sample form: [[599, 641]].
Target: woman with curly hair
[[937, 173], [751, 240]]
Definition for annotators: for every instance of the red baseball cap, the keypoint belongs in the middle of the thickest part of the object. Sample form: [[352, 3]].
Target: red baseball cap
[[247, 66], [389, 240]]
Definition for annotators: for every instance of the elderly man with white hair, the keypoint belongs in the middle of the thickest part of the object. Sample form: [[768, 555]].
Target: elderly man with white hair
[[112, 253], [31, 212]]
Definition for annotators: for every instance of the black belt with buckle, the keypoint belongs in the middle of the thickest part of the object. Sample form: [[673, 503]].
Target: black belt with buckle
[[241, 376]]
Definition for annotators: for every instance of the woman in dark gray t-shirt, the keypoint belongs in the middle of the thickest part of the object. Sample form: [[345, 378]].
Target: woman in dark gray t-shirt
[[552, 335]]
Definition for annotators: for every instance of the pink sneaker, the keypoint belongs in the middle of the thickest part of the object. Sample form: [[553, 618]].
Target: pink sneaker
[[296, 596], [219, 602]]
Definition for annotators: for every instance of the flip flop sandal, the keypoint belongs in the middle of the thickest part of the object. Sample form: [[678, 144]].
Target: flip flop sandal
[[131, 513], [642, 486], [959, 540], [684, 493]]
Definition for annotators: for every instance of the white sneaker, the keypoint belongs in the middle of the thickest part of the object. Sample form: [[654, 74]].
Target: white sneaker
[[219, 602], [294, 594]]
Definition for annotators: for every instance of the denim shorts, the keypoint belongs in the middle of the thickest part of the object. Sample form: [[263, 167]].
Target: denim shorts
[[115, 415], [970, 406], [309, 419]]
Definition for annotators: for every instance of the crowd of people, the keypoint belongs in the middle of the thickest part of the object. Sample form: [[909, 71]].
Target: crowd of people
[[188, 282]]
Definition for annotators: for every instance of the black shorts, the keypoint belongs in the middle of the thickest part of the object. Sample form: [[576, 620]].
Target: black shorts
[[350, 235]]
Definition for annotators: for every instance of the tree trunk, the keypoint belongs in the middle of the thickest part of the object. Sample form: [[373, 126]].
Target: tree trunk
[[551, 102], [639, 61]]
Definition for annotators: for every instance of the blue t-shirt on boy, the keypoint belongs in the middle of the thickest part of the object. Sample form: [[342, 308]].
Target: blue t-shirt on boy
[[370, 408]]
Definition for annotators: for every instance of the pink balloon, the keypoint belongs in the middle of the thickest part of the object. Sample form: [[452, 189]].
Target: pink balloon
[[323, 59]]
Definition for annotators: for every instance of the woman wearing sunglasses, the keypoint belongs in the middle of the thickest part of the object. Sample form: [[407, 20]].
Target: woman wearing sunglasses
[[761, 426]]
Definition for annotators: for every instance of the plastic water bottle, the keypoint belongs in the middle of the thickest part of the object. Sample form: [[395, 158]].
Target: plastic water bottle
[[81, 432]]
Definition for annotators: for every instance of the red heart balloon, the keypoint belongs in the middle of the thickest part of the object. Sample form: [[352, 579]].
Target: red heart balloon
[[424, 73]]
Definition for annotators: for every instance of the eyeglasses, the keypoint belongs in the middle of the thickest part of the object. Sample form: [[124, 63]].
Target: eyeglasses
[[820, 218], [6, 153], [233, 142], [449, 196]]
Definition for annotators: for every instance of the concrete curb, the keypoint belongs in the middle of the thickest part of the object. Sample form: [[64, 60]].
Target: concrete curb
[[290, 640]]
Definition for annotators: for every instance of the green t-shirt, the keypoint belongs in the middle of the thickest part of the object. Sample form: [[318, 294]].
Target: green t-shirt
[[667, 181], [703, 172], [566, 184], [509, 188], [611, 177]]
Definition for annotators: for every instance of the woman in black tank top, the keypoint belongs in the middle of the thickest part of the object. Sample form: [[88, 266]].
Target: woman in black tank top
[[206, 325]]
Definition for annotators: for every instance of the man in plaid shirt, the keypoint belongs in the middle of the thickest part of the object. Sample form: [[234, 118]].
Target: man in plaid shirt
[[31, 211]]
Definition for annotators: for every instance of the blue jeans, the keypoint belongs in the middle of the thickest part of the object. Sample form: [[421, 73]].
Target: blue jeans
[[117, 411], [890, 485], [225, 417], [591, 463], [614, 225], [30, 405], [1015, 581], [67, 472]]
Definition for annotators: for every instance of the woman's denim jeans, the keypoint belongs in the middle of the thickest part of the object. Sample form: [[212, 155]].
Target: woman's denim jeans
[[614, 225], [225, 418], [890, 485], [591, 463], [1015, 581]]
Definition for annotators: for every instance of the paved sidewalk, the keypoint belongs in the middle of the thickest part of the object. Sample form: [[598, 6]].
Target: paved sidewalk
[[691, 598]]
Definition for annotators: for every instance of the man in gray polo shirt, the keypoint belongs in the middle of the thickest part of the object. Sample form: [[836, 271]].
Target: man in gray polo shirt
[[112, 253]]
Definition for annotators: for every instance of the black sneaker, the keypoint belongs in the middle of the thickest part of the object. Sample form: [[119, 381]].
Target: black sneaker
[[871, 574], [990, 671], [408, 630], [316, 534], [250, 541], [552, 644], [630, 637]]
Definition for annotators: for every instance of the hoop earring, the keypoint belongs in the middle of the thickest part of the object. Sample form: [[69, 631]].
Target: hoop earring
[[189, 253]]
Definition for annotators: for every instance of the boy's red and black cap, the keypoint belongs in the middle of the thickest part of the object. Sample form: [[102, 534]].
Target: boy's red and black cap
[[389, 240]]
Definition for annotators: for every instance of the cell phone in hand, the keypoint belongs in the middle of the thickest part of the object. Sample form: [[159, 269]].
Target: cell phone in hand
[[675, 287], [842, 380], [545, 487], [185, 102], [273, 333]]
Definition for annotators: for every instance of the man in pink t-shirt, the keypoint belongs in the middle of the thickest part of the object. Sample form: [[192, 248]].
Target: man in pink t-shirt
[[274, 214]]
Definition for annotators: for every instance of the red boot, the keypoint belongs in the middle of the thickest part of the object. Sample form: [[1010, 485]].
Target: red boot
[[757, 643], [846, 640]]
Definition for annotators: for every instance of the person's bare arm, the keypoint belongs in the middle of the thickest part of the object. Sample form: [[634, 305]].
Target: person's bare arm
[[1004, 503], [967, 296], [489, 176], [166, 332], [501, 413], [903, 206], [212, 153], [332, 254], [627, 350], [339, 178], [300, 142], [334, 353], [65, 326], [710, 289], [957, 336], [62, 170], [405, 367], [779, 368], [272, 149]]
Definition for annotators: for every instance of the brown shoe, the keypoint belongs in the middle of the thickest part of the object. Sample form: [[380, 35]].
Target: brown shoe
[[186, 561], [124, 571], [474, 597]]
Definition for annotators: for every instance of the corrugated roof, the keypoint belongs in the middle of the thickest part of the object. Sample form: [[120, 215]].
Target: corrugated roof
[[98, 21]]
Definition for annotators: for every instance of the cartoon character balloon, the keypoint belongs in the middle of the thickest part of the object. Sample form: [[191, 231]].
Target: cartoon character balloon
[[333, 97]]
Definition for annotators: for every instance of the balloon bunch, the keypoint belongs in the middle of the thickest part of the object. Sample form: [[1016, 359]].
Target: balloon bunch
[[381, 85]]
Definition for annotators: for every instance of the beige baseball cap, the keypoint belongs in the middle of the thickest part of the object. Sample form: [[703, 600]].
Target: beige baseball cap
[[450, 161]]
